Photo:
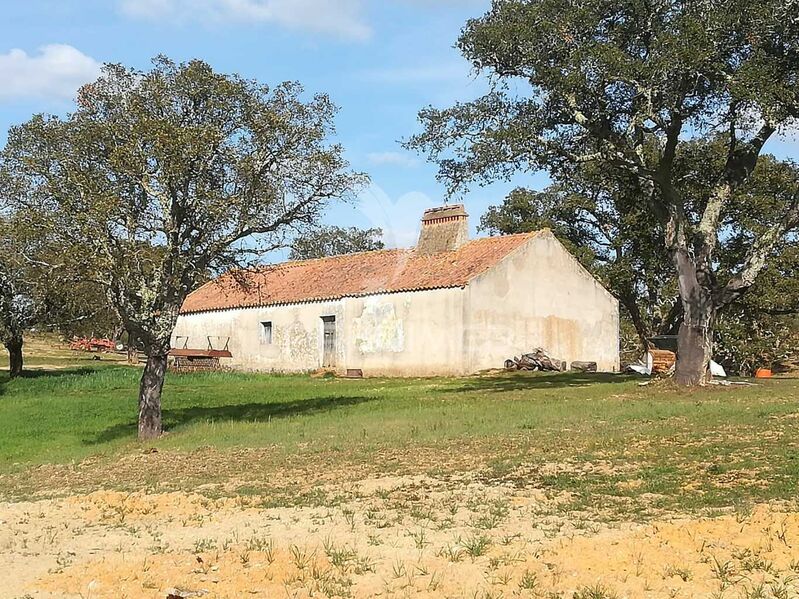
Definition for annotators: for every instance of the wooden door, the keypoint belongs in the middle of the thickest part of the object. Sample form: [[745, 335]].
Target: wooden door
[[329, 352]]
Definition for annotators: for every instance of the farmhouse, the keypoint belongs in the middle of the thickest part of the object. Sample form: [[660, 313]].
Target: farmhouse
[[448, 306]]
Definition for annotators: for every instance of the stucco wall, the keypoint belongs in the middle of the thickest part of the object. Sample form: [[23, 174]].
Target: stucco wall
[[400, 334], [296, 335], [537, 296], [540, 296], [406, 334]]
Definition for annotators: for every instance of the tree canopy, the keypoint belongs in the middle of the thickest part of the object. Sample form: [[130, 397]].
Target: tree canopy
[[161, 177], [626, 86], [334, 241]]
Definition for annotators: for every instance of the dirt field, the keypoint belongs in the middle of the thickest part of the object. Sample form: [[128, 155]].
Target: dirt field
[[389, 537], [567, 486]]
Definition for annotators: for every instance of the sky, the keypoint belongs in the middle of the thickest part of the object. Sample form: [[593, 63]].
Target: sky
[[381, 61]]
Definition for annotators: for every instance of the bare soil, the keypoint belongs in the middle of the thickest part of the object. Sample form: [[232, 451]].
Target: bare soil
[[404, 536]]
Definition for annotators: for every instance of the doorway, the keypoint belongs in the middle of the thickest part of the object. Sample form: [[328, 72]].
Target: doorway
[[329, 347]]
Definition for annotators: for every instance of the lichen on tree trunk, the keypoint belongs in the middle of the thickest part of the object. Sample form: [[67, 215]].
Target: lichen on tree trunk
[[152, 383], [695, 337]]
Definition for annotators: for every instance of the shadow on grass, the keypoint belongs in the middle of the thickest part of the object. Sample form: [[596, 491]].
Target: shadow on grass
[[247, 412], [522, 381], [41, 373], [36, 373]]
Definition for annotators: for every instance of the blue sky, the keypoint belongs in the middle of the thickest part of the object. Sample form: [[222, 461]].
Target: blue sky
[[380, 61]]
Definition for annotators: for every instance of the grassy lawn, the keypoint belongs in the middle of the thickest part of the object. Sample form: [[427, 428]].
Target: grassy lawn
[[597, 436], [565, 486]]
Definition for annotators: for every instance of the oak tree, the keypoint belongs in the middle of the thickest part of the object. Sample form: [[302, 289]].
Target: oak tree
[[162, 177], [334, 241], [624, 85]]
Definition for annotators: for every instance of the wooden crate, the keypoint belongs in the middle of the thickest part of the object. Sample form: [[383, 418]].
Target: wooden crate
[[662, 360]]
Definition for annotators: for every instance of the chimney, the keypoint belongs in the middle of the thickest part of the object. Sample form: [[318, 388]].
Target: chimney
[[443, 229]]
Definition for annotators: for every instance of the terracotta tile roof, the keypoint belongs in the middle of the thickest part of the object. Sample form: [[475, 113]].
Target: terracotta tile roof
[[366, 273]]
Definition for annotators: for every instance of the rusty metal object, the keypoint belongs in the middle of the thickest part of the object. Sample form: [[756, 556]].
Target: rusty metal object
[[186, 359], [92, 344]]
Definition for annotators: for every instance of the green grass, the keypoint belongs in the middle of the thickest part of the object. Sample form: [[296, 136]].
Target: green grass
[[605, 435]]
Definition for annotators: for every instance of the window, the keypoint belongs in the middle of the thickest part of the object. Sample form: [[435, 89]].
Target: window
[[266, 332]]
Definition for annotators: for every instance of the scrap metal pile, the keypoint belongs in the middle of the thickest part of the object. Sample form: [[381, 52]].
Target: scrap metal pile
[[92, 344]]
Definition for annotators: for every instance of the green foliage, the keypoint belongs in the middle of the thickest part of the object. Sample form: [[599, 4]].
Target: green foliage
[[762, 328], [161, 177], [599, 80], [334, 241], [629, 87]]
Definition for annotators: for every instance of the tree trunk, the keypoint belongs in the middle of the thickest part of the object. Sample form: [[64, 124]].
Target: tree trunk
[[14, 347], [695, 337], [152, 382], [628, 300], [694, 351]]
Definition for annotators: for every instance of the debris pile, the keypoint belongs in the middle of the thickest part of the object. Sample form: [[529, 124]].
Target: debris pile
[[663, 362], [92, 344], [655, 361], [538, 359]]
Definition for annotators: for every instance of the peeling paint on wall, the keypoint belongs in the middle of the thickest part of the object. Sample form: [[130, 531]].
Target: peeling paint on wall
[[378, 329], [297, 343]]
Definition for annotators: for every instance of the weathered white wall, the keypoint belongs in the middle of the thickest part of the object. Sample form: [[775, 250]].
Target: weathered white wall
[[400, 334], [406, 334], [540, 296], [296, 334], [537, 296]]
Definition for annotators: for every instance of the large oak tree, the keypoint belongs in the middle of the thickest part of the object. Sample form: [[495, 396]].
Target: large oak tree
[[625, 84], [601, 219], [161, 177]]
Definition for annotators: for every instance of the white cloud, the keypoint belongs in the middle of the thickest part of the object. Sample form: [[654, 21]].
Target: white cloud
[[391, 158], [56, 72], [342, 18]]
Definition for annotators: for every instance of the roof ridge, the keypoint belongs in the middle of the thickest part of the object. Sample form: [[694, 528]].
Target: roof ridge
[[305, 261], [506, 235], [386, 270]]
